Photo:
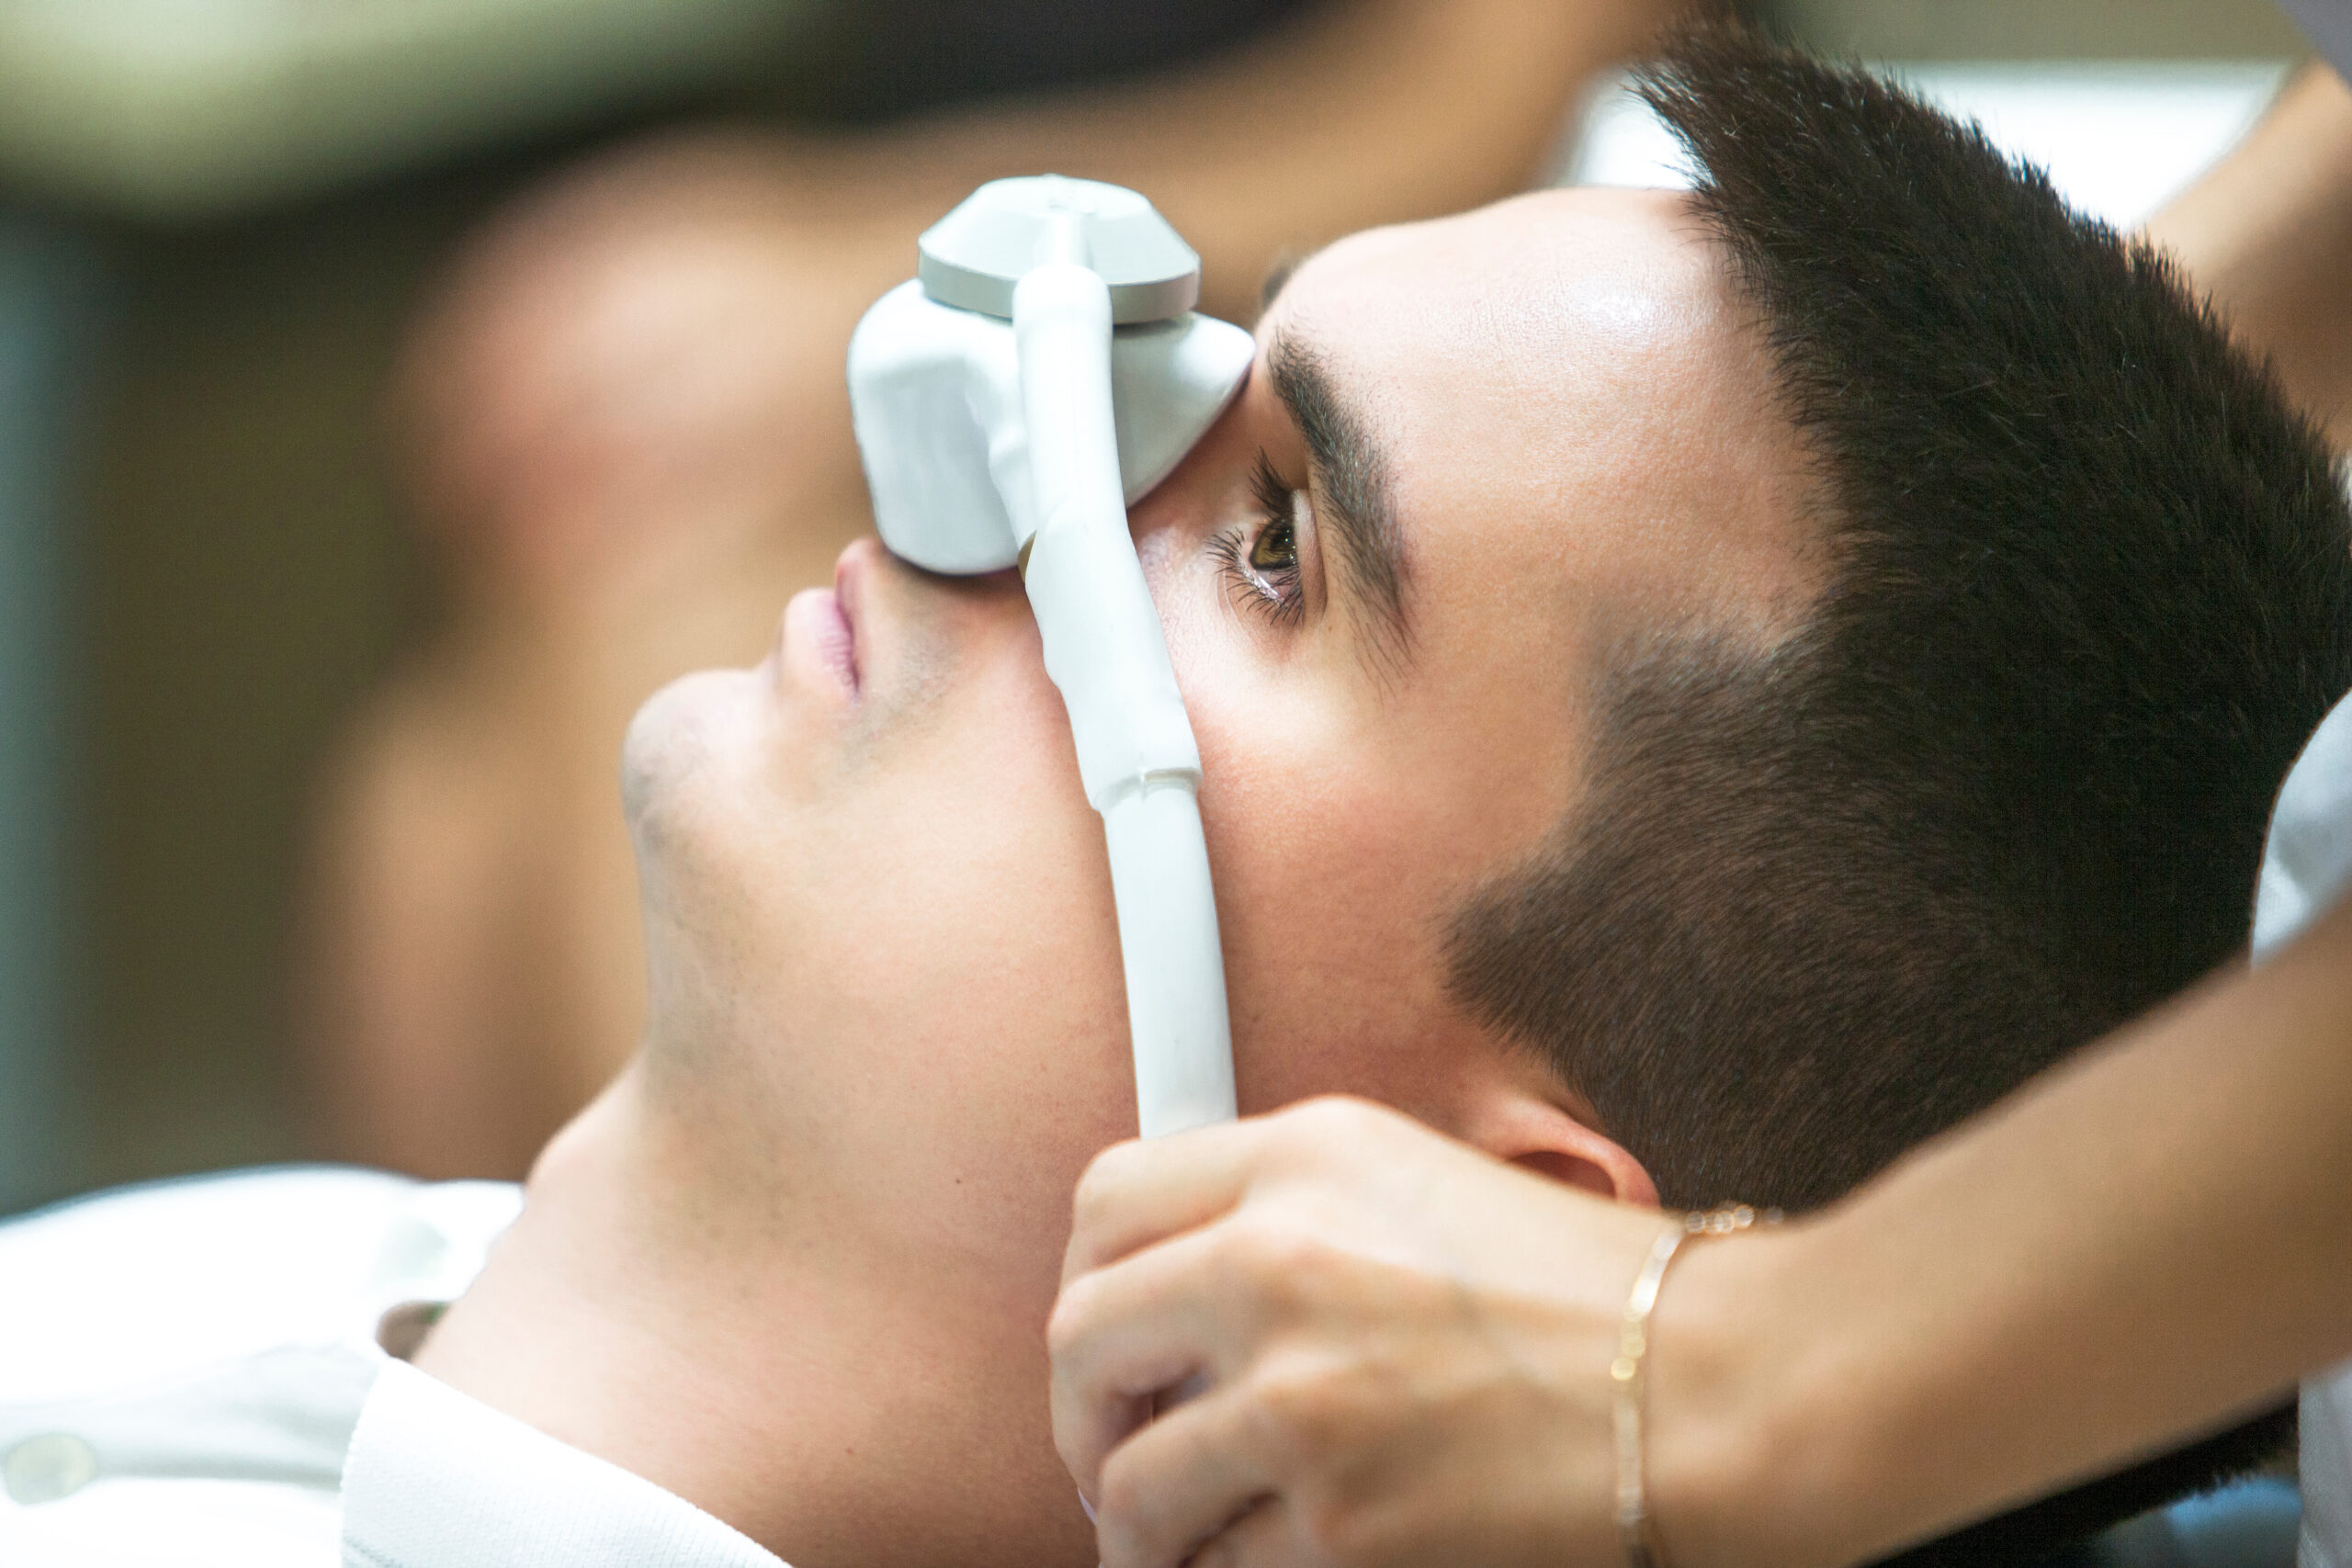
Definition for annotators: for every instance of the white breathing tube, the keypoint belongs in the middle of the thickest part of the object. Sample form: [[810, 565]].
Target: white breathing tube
[[988, 445]]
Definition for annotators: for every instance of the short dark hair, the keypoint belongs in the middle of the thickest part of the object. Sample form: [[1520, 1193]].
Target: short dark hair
[[2007, 786]]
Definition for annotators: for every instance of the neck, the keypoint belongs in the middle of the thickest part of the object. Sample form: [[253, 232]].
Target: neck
[[661, 1303]]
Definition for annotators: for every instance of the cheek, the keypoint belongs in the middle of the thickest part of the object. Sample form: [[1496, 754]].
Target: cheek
[[911, 941], [1331, 881], [963, 874], [1346, 823], [956, 962], [1334, 967]]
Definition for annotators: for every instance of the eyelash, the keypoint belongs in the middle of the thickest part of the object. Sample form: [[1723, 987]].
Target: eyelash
[[1279, 595]]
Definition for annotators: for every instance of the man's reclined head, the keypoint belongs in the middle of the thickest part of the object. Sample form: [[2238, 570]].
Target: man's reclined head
[[1697, 693]]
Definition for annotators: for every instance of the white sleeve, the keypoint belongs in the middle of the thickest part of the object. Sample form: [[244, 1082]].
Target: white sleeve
[[2308, 862], [2306, 869]]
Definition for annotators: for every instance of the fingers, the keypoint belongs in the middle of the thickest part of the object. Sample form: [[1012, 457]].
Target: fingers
[[1262, 1538], [1194, 1256], [1136, 1193], [1140, 1192], [1121, 1334], [1194, 1482]]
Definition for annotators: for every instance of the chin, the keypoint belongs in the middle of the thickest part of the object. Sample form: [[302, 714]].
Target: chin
[[682, 736]]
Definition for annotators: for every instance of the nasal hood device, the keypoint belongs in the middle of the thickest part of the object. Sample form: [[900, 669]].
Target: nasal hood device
[[1044, 369], [936, 373]]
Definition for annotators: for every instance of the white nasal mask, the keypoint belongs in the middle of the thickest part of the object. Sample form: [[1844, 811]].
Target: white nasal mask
[[1045, 368]]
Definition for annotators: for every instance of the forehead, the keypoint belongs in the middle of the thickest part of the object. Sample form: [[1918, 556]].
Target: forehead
[[1523, 279], [1574, 410]]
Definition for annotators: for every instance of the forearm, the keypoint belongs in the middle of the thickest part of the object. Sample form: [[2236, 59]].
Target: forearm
[[2266, 232], [2130, 1253]]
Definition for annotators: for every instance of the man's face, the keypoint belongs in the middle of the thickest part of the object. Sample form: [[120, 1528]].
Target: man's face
[[878, 910]]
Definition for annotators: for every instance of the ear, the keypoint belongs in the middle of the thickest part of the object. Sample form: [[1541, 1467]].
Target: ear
[[1521, 1124]]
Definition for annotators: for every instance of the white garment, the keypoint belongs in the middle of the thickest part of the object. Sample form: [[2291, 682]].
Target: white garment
[[436, 1480], [2306, 870], [190, 1375]]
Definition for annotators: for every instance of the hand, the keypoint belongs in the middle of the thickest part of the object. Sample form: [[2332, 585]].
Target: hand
[[1401, 1348]]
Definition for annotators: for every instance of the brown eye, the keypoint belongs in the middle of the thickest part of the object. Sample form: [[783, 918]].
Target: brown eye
[[1276, 547]]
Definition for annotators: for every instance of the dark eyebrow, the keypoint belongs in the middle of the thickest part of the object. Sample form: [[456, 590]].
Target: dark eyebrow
[[1355, 491]]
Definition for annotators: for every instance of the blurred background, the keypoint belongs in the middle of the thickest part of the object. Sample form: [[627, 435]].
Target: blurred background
[[226, 512]]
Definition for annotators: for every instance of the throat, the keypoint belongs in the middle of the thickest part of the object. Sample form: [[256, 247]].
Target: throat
[[651, 1306]]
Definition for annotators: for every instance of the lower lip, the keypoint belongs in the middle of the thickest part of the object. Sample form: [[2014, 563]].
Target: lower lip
[[818, 645]]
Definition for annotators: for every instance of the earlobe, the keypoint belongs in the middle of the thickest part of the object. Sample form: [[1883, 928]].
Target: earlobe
[[1538, 1135]]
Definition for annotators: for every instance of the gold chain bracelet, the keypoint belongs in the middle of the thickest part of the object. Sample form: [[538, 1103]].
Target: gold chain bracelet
[[1626, 1372]]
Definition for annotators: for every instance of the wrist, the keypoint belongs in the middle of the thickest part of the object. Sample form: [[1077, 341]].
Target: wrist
[[1751, 1460]]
